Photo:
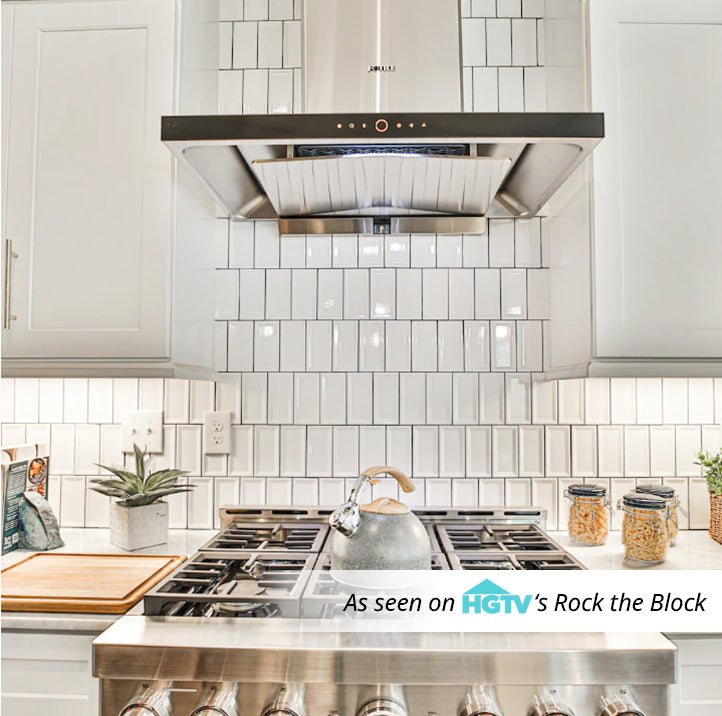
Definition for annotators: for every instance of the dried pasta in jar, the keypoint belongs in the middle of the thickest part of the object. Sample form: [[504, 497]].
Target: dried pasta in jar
[[645, 533], [588, 522], [673, 506]]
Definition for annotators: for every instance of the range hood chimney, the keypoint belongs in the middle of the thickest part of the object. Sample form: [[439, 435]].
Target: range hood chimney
[[384, 147]]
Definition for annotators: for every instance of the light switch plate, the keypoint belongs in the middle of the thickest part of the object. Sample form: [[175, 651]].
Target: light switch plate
[[217, 433], [143, 427]]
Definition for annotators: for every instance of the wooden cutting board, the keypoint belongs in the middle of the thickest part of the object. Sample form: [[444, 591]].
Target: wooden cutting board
[[90, 583]]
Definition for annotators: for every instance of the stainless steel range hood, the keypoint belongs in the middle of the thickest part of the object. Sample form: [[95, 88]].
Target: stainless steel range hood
[[385, 148]]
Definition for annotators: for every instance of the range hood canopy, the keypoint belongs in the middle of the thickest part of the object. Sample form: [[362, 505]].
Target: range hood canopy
[[385, 148]]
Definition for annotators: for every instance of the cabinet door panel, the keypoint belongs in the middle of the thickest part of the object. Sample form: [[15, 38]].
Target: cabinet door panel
[[657, 75], [89, 182]]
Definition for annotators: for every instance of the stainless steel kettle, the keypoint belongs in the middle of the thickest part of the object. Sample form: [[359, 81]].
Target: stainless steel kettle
[[384, 534]]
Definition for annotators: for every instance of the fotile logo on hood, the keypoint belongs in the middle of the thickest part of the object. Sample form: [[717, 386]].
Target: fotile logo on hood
[[489, 598]]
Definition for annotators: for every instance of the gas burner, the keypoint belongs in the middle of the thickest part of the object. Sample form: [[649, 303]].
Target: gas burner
[[477, 537], [281, 537], [520, 561]]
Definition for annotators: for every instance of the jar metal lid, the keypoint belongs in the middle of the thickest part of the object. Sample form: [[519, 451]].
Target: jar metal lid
[[587, 490], [656, 489], [644, 501]]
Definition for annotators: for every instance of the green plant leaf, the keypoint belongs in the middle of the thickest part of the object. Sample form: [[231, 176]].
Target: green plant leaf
[[139, 463], [148, 499], [162, 477], [109, 491]]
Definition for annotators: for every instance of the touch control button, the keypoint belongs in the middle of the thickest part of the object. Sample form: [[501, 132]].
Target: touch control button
[[381, 125]]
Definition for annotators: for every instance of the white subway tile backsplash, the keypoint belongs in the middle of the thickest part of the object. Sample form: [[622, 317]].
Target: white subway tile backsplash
[[412, 398], [293, 345], [423, 346], [544, 493], [291, 44], [623, 401], [611, 450], [72, 506], [486, 89], [319, 457], [688, 444], [476, 346], [333, 399], [255, 10], [701, 400], [50, 400], [266, 245], [450, 340], [34, 433], [345, 346], [487, 293], [426, 453], [571, 401], [200, 503], [372, 345], [100, 401], [280, 398], [557, 451], [278, 295], [504, 451], [151, 395], [491, 398], [345, 251], [266, 450], [188, 448], [383, 293], [529, 346], [252, 294], [370, 250], [538, 293], [473, 42], [226, 491], [498, 42], [386, 399], [398, 451], [241, 243], [517, 492], [531, 451], [544, 402], [7, 400], [270, 44], [225, 45], [618, 487], [511, 89], [318, 251], [452, 445], [356, 293], [254, 397], [596, 400], [293, 251], [465, 399], [423, 250], [398, 346], [330, 294], [435, 298], [266, 346], [372, 446], [255, 91], [360, 398], [523, 42], [303, 293], [711, 438], [464, 493], [503, 346], [293, 451], [305, 491], [318, 346], [475, 250], [87, 449], [518, 399], [240, 461], [345, 451], [478, 452], [699, 513], [636, 451], [62, 448], [331, 491], [584, 451], [438, 398], [662, 451], [397, 251], [674, 400], [408, 294], [461, 294], [306, 398], [449, 251]]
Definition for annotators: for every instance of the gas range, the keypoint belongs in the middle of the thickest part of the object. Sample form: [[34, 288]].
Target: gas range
[[243, 628], [275, 562]]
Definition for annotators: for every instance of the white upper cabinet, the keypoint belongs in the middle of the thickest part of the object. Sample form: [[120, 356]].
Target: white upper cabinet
[[89, 193], [656, 73]]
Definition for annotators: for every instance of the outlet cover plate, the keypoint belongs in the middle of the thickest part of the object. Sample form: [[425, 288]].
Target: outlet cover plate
[[217, 432], [144, 427]]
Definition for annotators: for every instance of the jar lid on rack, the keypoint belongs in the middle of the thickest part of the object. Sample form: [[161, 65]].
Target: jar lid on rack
[[657, 489], [586, 490], [644, 501]]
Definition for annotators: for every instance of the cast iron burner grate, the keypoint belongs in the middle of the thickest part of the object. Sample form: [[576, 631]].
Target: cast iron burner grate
[[268, 538], [485, 561], [476, 537]]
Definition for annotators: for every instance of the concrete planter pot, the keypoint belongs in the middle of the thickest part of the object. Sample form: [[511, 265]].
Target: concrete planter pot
[[133, 528]]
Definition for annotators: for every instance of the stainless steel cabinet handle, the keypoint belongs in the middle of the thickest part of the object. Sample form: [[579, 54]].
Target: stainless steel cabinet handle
[[8, 316]]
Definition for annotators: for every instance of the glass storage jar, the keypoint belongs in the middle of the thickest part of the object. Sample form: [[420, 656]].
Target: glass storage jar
[[645, 535], [673, 505], [588, 514]]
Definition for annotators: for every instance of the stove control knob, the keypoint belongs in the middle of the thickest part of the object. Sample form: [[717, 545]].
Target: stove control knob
[[153, 700], [480, 700], [288, 702], [548, 703], [621, 704], [219, 699]]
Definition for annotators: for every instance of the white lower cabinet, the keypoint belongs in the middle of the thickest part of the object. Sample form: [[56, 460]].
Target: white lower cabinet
[[698, 691], [48, 674]]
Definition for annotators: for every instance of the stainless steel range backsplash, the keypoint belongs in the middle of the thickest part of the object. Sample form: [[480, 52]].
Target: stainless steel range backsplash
[[346, 351]]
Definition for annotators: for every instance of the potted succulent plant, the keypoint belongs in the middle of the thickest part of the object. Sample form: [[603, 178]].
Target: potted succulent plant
[[140, 517], [712, 470]]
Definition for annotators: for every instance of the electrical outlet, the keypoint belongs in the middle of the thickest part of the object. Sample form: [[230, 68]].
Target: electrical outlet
[[217, 433], [144, 428]]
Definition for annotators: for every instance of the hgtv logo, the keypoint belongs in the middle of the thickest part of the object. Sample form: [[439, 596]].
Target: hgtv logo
[[489, 598]]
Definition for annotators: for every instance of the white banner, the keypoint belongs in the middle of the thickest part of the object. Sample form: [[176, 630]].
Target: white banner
[[560, 601]]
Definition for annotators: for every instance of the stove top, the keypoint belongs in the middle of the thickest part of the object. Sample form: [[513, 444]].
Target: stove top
[[270, 562]]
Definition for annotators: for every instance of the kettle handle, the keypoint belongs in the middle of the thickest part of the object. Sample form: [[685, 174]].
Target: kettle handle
[[403, 479]]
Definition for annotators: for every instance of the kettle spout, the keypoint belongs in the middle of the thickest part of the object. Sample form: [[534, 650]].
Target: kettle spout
[[345, 519]]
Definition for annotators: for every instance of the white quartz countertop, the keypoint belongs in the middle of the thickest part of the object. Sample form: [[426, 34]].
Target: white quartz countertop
[[694, 550]]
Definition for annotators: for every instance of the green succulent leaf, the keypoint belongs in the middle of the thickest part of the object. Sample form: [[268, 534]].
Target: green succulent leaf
[[141, 487]]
